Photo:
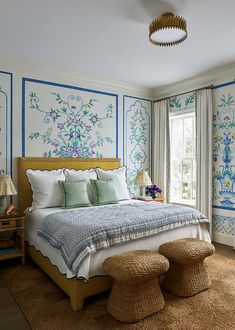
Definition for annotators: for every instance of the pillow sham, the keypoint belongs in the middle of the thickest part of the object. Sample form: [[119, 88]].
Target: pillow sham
[[104, 192], [80, 175], [118, 176], [74, 194], [44, 185]]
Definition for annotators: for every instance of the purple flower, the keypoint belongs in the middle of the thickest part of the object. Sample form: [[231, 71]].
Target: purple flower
[[153, 189], [94, 119], [54, 114], [88, 128], [60, 125]]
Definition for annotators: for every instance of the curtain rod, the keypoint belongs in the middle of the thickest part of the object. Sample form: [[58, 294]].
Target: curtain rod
[[194, 90]]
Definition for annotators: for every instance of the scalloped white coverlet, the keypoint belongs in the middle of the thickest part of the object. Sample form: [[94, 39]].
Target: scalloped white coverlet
[[82, 232]]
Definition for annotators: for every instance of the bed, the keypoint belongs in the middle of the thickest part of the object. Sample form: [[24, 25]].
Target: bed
[[90, 278]]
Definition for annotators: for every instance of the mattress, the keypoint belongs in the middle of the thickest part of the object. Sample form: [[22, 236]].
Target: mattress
[[92, 265]]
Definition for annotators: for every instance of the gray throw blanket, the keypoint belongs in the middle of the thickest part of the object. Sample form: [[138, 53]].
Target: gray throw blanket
[[80, 232]]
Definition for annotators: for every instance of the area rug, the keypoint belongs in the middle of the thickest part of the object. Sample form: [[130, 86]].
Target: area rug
[[45, 306]]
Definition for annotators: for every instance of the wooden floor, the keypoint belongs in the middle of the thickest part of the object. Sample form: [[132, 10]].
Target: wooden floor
[[11, 317]]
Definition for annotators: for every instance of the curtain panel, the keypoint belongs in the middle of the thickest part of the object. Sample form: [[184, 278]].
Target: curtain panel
[[161, 147], [204, 152]]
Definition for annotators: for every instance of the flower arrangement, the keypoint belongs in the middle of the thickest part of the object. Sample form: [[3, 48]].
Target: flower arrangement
[[153, 191]]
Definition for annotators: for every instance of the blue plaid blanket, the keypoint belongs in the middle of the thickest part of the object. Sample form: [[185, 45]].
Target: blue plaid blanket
[[83, 231]]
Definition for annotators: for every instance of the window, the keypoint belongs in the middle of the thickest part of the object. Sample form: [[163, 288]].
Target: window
[[183, 163]]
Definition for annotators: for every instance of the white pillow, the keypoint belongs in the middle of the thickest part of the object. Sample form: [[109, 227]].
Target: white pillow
[[46, 191], [119, 178], [78, 175]]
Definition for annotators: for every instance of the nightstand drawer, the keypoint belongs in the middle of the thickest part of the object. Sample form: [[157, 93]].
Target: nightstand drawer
[[7, 224]]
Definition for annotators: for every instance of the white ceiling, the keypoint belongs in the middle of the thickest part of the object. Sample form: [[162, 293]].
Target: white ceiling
[[110, 37]]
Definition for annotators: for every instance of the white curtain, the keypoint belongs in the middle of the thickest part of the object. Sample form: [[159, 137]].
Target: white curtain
[[204, 152], [161, 147]]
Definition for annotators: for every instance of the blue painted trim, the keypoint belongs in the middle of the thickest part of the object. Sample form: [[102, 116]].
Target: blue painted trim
[[224, 84], [125, 133], [68, 86], [223, 208], [116, 126], [11, 133], [125, 127], [24, 79], [23, 118], [137, 98], [11, 119]]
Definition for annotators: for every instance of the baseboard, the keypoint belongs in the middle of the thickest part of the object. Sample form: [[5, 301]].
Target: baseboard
[[223, 239]]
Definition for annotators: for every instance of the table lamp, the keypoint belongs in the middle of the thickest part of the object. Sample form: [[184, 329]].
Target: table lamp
[[6, 188], [142, 179]]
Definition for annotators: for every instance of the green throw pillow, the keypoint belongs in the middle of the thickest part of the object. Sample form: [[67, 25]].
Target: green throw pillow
[[104, 192], [74, 194]]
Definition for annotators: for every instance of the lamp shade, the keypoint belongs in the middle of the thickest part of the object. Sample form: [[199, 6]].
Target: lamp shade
[[6, 185], [143, 179]]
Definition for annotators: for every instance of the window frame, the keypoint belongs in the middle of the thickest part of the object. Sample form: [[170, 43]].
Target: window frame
[[186, 114]]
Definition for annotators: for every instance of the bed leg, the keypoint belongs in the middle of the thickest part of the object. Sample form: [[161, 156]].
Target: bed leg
[[76, 303]]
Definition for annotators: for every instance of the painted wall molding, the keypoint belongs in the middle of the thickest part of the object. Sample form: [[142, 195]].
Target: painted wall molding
[[137, 114], [223, 73], [68, 121], [62, 75], [223, 239], [6, 117]]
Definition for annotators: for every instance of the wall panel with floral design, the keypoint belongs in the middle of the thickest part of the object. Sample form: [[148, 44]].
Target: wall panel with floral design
[[224, 158], [136, 137], [67, 121], [5, 122], [224, 147]]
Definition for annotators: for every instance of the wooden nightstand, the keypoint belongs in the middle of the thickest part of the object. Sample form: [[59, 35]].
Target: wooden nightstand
[[12, 226], [149, 199]]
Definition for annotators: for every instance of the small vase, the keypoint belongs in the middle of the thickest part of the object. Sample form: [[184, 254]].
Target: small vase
[[153, 195]]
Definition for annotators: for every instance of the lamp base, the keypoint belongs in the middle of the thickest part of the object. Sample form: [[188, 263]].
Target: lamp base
[[3, 205], [142, 191]]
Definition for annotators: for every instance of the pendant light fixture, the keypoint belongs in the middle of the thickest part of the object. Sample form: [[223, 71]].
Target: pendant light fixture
[[168, 30]]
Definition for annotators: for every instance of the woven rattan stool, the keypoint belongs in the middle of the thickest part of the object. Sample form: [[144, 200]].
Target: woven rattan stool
[[136, 293], [187, 274]]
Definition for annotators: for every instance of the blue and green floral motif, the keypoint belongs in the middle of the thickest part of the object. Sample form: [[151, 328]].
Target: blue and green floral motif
[[137, 141], [223, 152], [75, 123], [183, 102]]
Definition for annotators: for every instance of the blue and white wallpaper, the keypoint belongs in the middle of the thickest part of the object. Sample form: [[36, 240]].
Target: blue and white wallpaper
[[224, 159], [67, 121], [137, 138], [183, 102], [5, 122], [224, 148]]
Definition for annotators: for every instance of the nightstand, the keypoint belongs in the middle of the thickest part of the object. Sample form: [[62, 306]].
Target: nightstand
[[12, 236], [149, 199]]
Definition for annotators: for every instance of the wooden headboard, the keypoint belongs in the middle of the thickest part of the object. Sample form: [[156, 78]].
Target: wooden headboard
[[38, 163]]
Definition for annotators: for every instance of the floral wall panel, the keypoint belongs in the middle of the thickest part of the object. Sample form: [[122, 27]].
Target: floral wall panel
[[67, 121], [224, 146], [137, 137], [182, 102], [5, 122]]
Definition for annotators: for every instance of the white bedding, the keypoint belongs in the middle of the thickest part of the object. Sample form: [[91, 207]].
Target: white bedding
[[92, 265]]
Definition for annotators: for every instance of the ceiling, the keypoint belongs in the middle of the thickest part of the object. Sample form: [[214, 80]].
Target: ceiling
[[109, 38]]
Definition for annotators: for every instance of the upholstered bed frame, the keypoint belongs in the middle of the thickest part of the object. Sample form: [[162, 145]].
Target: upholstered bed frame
[[77, 290]]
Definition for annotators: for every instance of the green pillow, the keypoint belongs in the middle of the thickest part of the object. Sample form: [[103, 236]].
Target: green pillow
[[104, 192], [74, 194]]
